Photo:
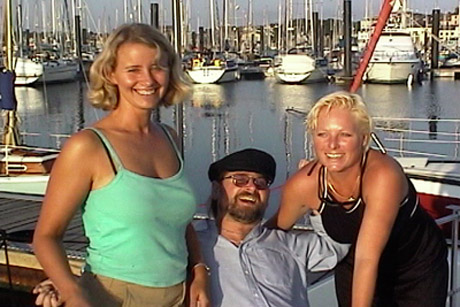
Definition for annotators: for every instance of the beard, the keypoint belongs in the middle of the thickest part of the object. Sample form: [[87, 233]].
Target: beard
[[246, 214]]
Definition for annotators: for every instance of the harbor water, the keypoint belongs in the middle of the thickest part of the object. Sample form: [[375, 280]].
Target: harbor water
[[220, 119]]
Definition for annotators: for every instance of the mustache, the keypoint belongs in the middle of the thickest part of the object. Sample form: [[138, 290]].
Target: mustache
[[248, 194]]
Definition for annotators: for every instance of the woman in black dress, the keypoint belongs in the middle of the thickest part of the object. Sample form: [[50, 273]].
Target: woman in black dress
[[398, 255]]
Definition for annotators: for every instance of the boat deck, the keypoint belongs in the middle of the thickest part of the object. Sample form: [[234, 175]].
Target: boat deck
[[18, 217]]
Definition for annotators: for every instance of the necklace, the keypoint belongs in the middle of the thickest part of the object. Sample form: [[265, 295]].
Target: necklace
[[348, 198]]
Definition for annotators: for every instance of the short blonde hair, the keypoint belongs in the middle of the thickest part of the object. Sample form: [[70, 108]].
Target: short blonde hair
[[347, 101], [104, 94]]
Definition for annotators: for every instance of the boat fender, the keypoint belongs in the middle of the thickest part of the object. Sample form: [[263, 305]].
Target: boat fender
[[410, 80]]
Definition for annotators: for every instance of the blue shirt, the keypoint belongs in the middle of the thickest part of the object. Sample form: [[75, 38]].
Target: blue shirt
[[269, 268]]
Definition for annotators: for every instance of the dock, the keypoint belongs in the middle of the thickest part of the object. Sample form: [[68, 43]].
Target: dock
[[18, 217], [453, 73]]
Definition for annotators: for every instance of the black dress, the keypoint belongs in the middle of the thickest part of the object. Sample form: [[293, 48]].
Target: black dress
[[413, 269]]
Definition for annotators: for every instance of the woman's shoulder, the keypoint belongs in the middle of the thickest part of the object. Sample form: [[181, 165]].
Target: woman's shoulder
[[382, 169], [82, 142], [306, 177], [382, 163]]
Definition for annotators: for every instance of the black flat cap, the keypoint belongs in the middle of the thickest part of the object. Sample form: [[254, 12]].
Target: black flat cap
[[249, 160]]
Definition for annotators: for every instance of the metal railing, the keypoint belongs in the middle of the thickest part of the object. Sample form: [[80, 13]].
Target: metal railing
[[453, 288]]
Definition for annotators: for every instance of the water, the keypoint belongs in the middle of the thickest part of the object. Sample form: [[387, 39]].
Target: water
[[220, 119]]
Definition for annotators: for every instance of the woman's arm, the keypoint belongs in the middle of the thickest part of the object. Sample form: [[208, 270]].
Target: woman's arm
[[198, 288], [384, 187], [68, 186], [198, 291], [295, 195]]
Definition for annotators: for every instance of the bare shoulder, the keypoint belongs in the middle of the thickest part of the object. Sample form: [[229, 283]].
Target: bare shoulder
[[383, 173], [382, 165], [305, 180], [82, 146]]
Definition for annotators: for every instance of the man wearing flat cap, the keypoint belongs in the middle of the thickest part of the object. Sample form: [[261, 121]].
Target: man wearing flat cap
[[252, 265]]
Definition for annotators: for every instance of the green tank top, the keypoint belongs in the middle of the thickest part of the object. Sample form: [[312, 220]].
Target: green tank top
[[136, 225]]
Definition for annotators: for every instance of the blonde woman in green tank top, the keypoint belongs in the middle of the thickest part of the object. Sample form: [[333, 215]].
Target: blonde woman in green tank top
[[127, 176]]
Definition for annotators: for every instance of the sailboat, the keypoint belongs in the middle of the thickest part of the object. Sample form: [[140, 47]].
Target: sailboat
[[299, 64], [30, 71], [23, 170], [208, 67]]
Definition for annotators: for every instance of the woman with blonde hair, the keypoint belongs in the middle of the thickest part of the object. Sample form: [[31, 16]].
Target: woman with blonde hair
[[126, 174], [398, 255]]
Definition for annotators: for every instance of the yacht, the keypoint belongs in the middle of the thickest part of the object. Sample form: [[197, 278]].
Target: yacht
[[395, 60], [297, 66]]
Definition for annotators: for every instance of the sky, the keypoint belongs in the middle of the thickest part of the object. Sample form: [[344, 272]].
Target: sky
[[106, 14], [263, 10]]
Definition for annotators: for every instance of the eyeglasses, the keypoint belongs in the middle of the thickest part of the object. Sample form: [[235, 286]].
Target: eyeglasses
[[240, 181]]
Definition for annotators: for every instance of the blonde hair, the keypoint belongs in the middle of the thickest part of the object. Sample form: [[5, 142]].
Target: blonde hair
[[346, 101], [104, 94]]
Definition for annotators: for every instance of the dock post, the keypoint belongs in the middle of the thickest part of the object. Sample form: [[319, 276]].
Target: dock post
[[347, 38], [179, 111], [155, 22], [434, 42], [315, 34], [155, 15]]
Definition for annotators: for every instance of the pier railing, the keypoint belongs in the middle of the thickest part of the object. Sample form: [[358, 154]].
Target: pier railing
[[453, 289]]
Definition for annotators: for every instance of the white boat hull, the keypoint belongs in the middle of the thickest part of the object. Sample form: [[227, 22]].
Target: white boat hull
[[58, 71], [297, 68], [392, 72], [394, 59], [211, 74], [25, 170], [29, 72], [26, 184]]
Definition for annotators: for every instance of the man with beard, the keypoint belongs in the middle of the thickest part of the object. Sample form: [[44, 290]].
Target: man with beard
[[249, 264]]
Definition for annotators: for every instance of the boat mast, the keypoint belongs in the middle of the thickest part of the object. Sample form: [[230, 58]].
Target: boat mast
[[211, 22], [9, 35], [278, 47], [312, 28], [225, 11]]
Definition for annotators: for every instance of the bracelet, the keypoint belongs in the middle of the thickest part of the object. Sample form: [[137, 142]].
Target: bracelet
[[202, 264]]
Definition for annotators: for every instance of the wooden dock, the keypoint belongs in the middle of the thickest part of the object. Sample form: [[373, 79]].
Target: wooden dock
[[18, 217]]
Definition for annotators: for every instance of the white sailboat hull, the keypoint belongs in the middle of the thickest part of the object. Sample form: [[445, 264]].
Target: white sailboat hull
[[29, 72], [25, 170], [211, 74], [25, 184], [297, 68], [57, 71]]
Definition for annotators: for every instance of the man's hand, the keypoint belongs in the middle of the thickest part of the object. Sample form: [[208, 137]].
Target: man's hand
[[48, 295]]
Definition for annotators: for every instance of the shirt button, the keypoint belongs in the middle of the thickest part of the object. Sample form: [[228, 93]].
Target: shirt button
[[246, 272], [256, 295]]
